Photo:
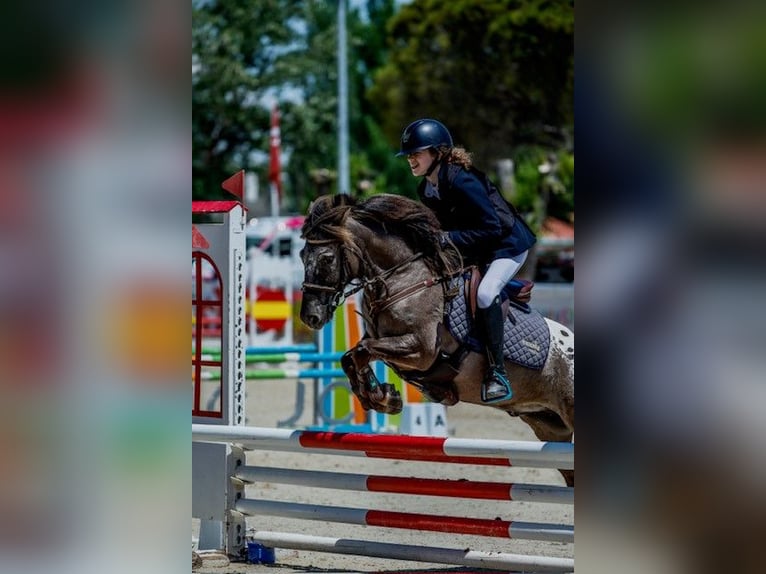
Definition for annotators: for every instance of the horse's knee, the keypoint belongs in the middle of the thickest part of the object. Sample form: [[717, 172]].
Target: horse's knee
[[354, 360], [361, 353], [347, 364]]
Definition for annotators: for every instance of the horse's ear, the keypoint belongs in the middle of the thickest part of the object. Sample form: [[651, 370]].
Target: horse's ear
[[341, 199]]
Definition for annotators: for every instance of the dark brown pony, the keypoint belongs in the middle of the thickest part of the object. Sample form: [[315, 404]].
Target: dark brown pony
[[387, 247]]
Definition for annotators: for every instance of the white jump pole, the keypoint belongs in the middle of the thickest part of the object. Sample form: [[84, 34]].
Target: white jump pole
[[409, 521], [410, 485], [436, 555], [558, 455]]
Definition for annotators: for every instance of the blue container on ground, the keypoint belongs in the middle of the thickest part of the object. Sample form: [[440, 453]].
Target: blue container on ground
[[260, 554]]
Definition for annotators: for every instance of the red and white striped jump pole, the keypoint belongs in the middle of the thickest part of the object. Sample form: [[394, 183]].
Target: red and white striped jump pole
[[417, 448], [436, 555], [409, 521], [409, 485]]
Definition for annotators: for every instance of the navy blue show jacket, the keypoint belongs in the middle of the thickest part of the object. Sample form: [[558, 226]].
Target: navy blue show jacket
[[480, 222]]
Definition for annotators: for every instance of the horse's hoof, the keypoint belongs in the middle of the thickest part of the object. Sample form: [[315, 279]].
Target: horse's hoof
[[386, 399], [447, 397], [391, 407], [366, 405], [380, 392], [388, 406], [361, 396], [393, 399], [394, 406], [449, 400]]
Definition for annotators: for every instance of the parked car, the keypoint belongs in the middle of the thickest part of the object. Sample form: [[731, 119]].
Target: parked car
[[275, 236]]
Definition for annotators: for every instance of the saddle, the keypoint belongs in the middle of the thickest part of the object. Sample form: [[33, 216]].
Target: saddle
[[436, 383], [517, 292]]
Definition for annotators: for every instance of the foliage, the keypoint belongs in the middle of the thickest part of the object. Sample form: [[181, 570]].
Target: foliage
[[562, 204], [498, 72], [538, 195], [309, 129], [240, 52], [527, 177]]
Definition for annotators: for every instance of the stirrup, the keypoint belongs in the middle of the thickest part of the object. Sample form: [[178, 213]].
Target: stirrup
[[495, 388]]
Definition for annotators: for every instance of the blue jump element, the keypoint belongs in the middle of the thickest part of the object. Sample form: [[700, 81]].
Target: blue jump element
[[297, 348]]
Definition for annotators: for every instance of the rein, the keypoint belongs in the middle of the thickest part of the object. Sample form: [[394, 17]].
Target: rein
[[376, 307], [339, 293]]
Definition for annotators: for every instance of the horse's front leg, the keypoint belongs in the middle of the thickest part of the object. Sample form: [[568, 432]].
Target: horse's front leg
[[383, 397], [401, 351], [353, 364], [406, 351]]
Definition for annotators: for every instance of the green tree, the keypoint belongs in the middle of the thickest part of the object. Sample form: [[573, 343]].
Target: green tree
[[247, 52], [373, 159], [498, 72], [240, 52], [309, 130]]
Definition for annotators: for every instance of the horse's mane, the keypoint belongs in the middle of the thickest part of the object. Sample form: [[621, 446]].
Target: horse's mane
[[395, 215], [327, 215]]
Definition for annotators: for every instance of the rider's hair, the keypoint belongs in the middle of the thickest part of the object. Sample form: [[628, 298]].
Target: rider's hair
[[457, 155]]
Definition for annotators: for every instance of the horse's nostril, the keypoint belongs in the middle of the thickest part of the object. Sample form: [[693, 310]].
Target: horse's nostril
[[312, 321]]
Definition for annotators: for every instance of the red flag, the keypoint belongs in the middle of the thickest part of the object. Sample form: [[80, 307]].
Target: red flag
[[235, 184], [274, 143]]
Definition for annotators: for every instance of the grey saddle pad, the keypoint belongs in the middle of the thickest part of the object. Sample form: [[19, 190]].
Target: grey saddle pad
[[525, 343]]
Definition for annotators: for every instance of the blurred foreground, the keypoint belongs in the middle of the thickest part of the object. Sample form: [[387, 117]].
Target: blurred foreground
[[671, 298], [95, 176]]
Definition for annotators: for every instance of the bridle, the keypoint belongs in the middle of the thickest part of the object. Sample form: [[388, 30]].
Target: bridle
[[375, 286], [336, 292], [339, 293]]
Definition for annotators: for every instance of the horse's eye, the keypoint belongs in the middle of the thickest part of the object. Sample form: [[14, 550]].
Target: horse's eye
[[324, 259]]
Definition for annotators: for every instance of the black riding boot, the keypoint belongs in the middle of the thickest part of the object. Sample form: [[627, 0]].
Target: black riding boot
[[495, 386]]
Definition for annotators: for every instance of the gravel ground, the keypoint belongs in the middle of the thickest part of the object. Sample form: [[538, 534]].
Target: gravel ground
[[275, 401]]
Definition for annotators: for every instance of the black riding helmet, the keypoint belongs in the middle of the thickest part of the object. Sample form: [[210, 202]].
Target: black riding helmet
[[423, 134]]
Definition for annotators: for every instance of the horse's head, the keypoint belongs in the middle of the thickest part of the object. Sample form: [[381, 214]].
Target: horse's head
[[323, 282], [325, 274], [347, 241]]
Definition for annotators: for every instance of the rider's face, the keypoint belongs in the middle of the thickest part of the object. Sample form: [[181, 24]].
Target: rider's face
[[420, 161]]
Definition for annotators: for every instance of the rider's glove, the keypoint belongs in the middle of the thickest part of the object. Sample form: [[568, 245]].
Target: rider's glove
[[443, 239]]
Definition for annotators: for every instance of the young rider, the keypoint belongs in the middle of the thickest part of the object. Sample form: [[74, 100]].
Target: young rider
[[479, 222]]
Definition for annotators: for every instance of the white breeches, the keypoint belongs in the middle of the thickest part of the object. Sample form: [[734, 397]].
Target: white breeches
[[500, 271]]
